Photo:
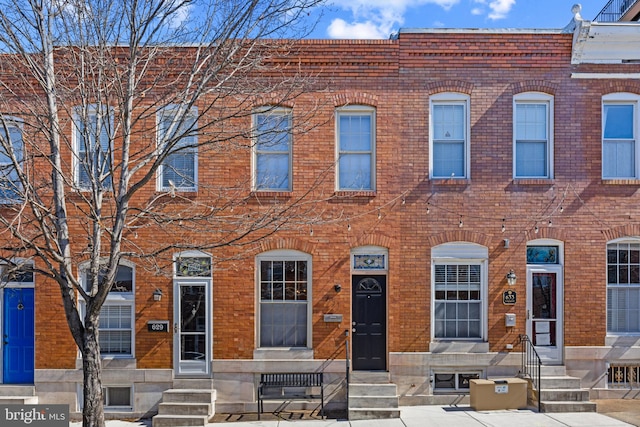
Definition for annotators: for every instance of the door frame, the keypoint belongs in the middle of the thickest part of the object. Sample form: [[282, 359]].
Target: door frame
[[385, 317], [189, 368], [3, 325], [548, 355]]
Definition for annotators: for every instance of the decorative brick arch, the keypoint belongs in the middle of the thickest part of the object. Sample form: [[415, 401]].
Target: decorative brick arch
[[355, 98], [460, 236], [449, 86], [372, 240], [628, 230], [271, 99], [545, 232], [534, 86], [621, 86], [288, 243]]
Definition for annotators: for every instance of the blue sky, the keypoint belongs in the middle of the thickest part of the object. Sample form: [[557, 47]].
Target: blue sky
[[377, 19]]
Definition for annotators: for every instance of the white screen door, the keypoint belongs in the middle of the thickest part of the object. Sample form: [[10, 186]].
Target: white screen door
[[545, 312], [192, 327]]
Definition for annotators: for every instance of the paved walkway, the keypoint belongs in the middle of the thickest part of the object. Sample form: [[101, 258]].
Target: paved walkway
[[438, 416]]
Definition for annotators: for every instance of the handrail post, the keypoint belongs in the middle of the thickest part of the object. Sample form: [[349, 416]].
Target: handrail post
[[532, 365], [347, 367]]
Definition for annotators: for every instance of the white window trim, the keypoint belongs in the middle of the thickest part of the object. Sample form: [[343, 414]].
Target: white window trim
[[16, 122], [622, 98], [628, 240], [359, 110], [462, 253], [455, 372], [369, 250], [536, 98], [117, 298], [131, 387], [14, 285], [280, 111], [193, 112], [285, 255], [91, 110], [451, 98]]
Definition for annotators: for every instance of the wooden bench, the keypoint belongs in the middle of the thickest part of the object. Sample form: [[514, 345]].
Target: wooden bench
[[290, 386]]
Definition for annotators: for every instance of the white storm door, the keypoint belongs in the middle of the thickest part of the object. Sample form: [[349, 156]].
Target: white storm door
[[192, 327], [545, 312]]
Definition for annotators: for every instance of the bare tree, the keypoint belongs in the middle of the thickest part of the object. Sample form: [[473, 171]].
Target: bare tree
[[106, 108]]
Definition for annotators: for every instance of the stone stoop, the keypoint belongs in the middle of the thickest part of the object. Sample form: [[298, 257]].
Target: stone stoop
[[185, 407], [18, 395], [372, 396], [562, 393]]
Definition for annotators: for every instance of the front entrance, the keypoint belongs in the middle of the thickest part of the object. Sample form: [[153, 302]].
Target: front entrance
[[369, 320], [545, 312], [18, 336], [192, 327]]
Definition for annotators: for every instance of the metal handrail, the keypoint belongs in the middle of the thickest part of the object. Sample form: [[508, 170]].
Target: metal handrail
[[347, 367], [531, 366], [614, 10]]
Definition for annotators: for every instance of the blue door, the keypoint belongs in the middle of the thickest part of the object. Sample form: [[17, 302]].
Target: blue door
[[18, 336]]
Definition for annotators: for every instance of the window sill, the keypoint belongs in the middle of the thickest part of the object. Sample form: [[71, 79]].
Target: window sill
[[450, 181], [620, 181], [282, 353], [355, 193], [271, 194], [113, 362], [533, 181], [450, 346]]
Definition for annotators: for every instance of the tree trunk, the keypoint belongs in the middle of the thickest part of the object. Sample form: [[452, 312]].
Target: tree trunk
[[93, 411]]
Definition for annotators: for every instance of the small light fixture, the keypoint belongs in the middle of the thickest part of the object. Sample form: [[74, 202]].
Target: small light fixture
[[337, 287], [511, 278], [157, 294], [506, 244]]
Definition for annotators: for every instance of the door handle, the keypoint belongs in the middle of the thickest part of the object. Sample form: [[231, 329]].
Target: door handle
[[353, 329], [175, 328], [528, 314]]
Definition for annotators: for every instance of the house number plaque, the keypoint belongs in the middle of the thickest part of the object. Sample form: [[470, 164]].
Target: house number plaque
[[509, 297]]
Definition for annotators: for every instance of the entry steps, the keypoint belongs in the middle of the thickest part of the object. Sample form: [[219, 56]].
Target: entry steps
[[185, 407], [561, 392], [18, 395], [372, 396]]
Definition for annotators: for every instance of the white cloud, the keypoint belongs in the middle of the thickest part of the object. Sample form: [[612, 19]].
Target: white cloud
[[500, 8], [477, 11], [377, 18]]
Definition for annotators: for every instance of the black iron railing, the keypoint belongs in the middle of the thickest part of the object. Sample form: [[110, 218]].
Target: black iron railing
[[614, 10], [531, 367], [347, 367]]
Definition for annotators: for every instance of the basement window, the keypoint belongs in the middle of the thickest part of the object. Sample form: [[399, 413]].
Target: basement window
[[623, 377], [453, 382]]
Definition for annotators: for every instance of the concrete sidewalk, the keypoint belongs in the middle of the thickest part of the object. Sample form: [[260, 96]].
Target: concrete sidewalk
[[434, 416]]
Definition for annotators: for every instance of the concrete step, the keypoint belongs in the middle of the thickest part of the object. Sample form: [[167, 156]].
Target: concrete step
[[568, 406], [373, 390], [185, 408], [383, 402], [189, 395], [369, 377], [18, 400], [553, 370], [559, 382], [17, 390], [373, 414], [565, 394], [180, 420]]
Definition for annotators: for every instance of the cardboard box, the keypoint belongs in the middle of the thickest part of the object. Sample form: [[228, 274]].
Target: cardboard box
[[507, 393]]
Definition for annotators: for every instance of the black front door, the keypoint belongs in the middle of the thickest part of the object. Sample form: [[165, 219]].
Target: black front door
[[369, 322]]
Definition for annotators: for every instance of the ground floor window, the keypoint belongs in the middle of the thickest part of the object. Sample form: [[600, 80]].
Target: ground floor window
[[623, 287], [458, 301], [284, 292]]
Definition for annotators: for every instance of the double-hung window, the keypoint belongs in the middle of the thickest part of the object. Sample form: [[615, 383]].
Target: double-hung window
[[272, 150], [356, 133], [284, 287], [449, 131], [533, 135], [11, 157], [178, 141], [93, 134], [117, 313], [623, 287], [459, 291], [620, 136]]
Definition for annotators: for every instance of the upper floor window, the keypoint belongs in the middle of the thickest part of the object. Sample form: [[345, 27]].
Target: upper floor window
[[533, 135], [623, 287], [272, 149], [620, 136], [92, 158], [177, 135], [11, 155], [356, 130], [117, 313], [449, 133]]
